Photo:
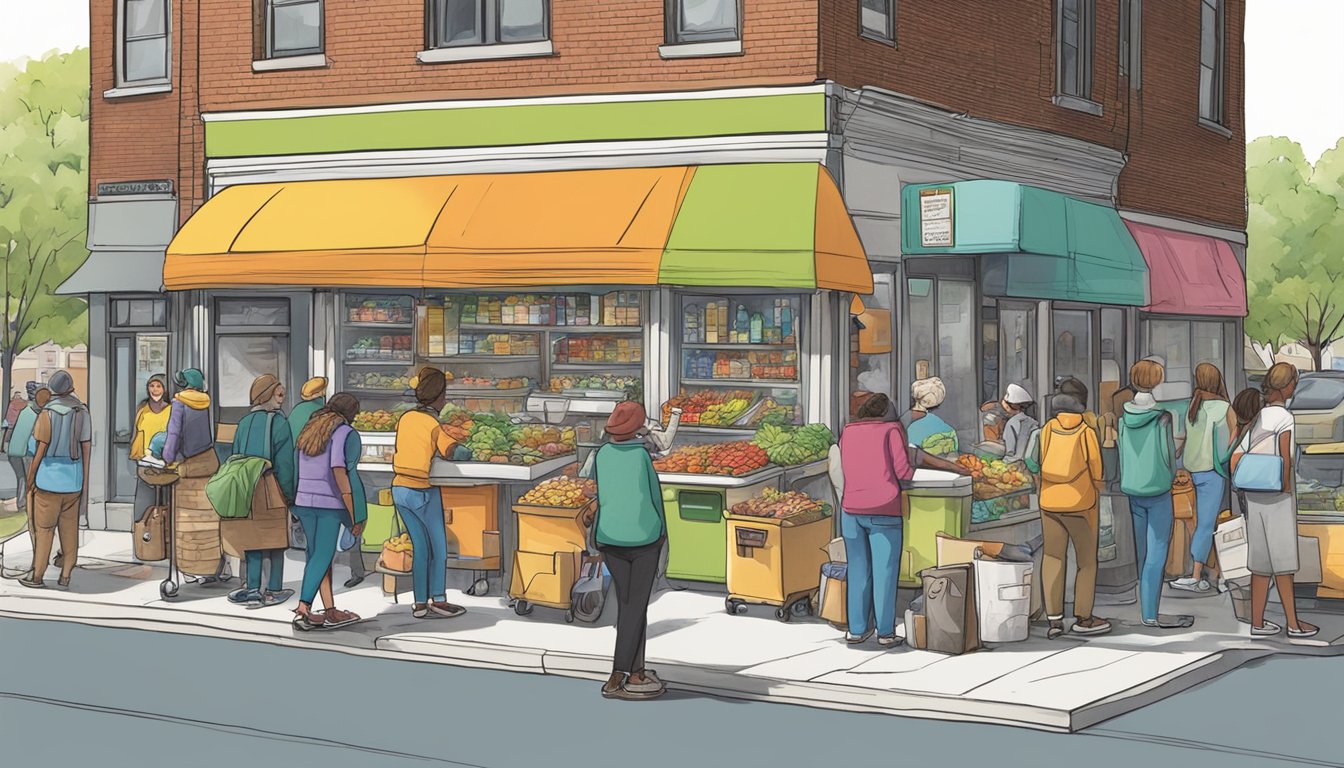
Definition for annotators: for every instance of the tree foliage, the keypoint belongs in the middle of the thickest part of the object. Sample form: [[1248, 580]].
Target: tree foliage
[[44, 148], [1295, 256]]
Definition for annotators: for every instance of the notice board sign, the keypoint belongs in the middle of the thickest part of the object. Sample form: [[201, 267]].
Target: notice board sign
[[935, 218]]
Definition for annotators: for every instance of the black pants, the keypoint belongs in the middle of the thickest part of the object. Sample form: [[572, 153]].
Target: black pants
[[633, 571]]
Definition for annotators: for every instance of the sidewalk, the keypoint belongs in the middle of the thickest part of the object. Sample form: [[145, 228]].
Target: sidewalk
[[1060, 685]]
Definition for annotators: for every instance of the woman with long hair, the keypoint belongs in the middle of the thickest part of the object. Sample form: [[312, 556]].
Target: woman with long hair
[[1207, 440], [329, 496], [151, 418], [1271, 516]]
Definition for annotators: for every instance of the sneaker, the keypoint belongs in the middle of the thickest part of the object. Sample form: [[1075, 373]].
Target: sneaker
[[651, 684], [27, 581], [1056, 629], [335, 619], [268, 599], [890, 642], [1303, 631], [1170, 622], [354, 581], [858, 639], [1092, 625], [420, 611], [308, 623], [446, 610], [245, 596], [282, 595], [1268, 629], [1199, 587]]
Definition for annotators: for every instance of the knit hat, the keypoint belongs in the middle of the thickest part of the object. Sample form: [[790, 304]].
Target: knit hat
[[314, 388], [32, 388], [928, 394], [61, 384], [1016, 395], [626, 420], [1066, 404], [263, 389], [190, 378]]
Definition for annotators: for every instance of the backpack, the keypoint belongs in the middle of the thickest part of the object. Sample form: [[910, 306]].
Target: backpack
[[66, 425], [1149, 476], [1067, 459]]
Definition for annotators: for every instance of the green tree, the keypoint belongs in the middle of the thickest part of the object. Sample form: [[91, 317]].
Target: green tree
[[44, 149], [1295, 256]]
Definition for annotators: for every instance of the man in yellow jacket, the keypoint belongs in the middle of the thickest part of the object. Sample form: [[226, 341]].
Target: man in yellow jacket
[[1070, 483]]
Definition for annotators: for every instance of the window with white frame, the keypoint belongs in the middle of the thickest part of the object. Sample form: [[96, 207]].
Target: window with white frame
[[877, 19], [143, 52], [452, 23], [1075, 31], [1211, 60], [703, 21], [291, 28]]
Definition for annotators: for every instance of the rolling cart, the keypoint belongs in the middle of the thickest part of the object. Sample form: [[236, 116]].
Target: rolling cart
[[551, 546], [163, 482]]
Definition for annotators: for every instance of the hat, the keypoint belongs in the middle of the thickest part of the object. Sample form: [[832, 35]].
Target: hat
[[928, 394], [263, 388], [313, 388], [61, 384], [1066, 404], [32, 388], [190, 378], [1016, 395], [626, 420]]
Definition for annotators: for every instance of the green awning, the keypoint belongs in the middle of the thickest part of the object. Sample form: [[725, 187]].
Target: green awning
[[1037, 244]]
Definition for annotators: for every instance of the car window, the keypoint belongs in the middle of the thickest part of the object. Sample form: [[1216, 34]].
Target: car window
[[1315, 394]]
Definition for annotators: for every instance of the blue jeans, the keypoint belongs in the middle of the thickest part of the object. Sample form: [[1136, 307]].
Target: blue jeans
[[255, 557], [322, 529], [421, 511], [873, 548], [1152, 538], [1210, 490]]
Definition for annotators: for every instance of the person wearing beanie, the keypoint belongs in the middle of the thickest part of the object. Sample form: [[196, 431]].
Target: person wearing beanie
[[151, 418], [630, 529], [58, 477], [16, 444], [421, 438], [928, 431], [264, 433], [189, 449]]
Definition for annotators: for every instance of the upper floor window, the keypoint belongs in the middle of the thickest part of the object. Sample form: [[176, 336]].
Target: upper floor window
[[1075, 32], [292, 28], [142, 42], [703, 21], [877, 19], [1131, 41], [487, 22], [1211, 60]]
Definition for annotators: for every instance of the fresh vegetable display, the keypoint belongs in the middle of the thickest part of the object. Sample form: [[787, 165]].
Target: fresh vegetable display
[[563, 492], [378, 421], [724, 414], [401, 543], [481, 382], [772, 412], [781, 505], [358, 379], [790, 446], [734, 459], [603, 382], [694, 405], [494, 438], [941, 444], [994, 478]]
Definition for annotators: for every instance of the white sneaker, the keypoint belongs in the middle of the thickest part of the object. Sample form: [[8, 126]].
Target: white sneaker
[[1188, 584], [1270, 629]]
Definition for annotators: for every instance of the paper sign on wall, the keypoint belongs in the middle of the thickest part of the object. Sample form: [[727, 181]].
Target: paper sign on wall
[[935, 218]]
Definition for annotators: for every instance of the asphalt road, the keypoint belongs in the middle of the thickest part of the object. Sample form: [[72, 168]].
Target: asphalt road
[[77, 695]]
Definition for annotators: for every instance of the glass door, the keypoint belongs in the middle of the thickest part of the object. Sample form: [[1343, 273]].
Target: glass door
[[1017, 349], [135, 358], [1071, 332]]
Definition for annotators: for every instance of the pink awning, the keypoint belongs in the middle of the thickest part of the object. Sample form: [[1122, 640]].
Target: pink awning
[[1190, 274]]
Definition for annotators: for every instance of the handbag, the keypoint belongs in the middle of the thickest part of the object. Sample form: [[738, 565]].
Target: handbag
[[150, 535], [1259, 472]]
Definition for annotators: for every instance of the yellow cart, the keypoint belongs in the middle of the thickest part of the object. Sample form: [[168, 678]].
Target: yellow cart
[[773, 561], [551, 543], [1320, 512]]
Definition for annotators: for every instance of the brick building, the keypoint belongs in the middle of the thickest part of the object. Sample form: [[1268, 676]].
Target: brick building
[[1089, 132]]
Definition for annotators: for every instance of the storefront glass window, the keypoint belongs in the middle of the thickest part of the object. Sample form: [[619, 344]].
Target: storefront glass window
[[139, 313], [1072, 340], [989, 362], [956, 356], [1170, 340], [1112, 362], [923, 326], [241, 359], [253, 312], [1017, 326], [1206, 344], [870, 361]]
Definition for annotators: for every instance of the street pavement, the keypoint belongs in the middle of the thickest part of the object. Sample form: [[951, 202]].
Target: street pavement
[[74, 694]]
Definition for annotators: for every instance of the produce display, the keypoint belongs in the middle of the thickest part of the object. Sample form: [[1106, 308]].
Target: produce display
[[694, 405], [379, 421], [389, 311], [990, 479], [494, 438], [724, 414], [603, 382], [781, 505], [791, 446], [772, 411], [390, 348], [563, 492], [379, 380], [941, 444], [734, 459], [485, 382], [1313, 497]]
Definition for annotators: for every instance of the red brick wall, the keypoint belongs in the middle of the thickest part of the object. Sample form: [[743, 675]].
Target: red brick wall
[[607, 46], [996, 60]]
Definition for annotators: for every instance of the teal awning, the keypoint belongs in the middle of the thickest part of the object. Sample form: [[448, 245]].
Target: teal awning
[[1037, 244]]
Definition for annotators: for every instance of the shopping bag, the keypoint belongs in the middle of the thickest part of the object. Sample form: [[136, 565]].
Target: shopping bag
[[1229, 540], [298, 539], [150, 535], [589, 594], [949, 609], [1183, 496]]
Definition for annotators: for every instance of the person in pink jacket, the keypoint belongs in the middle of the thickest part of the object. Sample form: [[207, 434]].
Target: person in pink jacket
[[874, 463]]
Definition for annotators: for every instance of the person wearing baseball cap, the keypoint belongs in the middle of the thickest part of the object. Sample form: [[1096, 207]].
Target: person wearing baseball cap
[[1017, 401], [629, 530]]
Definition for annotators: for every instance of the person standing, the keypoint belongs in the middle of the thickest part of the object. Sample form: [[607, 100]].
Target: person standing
[[420, 438], [995, 416], [1271, 515], [16, 445], [1069, 500], [314, 394], [874, 460], [1208, 439], [151, 418], [1147, 450], [58, 477], [928, 431], [330, 497], [630, 529], [189, 447], [264, 433]]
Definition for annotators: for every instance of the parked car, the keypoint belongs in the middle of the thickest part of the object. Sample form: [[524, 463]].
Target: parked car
[[1318, 406]]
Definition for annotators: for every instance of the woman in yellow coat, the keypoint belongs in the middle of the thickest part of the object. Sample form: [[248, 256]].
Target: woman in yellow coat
[[151, 418]]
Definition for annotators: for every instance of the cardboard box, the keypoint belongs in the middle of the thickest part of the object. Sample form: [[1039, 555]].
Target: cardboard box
[[954, 551], [916, 630], [831, 600]]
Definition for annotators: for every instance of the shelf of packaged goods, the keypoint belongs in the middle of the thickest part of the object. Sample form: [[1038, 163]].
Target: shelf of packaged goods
[[599, 365], [388, 326], [744, 347], [450, 360], [471, 327], [753, 383], [448, 471], [388, 362]]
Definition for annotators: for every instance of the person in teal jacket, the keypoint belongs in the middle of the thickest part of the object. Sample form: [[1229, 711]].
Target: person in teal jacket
[[251, 439], [631, 528]]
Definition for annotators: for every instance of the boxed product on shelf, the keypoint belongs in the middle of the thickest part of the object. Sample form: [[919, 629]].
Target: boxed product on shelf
[[779, 365], [498, 344], [598, 349], [746, 321], [389, 310]]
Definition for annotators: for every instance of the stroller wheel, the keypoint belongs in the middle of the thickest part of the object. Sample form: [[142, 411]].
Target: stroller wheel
[[168, 589]]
